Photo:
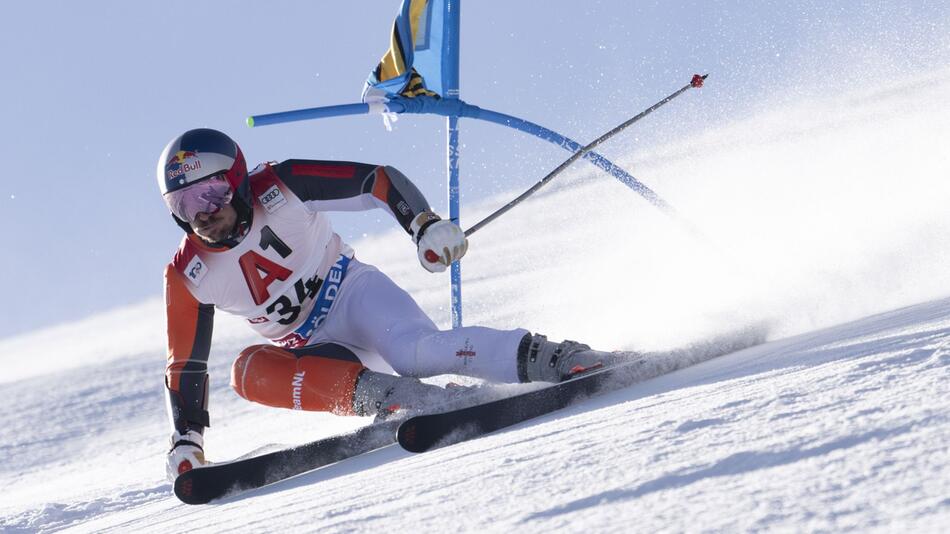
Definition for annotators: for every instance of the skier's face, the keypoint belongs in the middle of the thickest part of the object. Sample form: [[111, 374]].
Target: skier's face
[[217, 226]]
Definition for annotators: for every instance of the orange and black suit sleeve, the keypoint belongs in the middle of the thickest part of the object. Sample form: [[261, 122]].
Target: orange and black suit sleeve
[[189, 325]]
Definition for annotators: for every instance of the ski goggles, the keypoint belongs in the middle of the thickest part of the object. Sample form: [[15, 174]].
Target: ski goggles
[[207, 196]]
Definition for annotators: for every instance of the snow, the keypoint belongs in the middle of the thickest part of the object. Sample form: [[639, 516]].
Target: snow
[[825, 218]]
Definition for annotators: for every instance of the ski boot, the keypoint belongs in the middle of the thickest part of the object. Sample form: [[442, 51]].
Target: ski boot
[[386, 396], [540, 360]]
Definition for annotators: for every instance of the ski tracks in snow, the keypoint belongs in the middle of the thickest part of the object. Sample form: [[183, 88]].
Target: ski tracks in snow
[[847, 433]]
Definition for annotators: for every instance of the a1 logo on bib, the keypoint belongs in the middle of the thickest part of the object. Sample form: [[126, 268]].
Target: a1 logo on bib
[[272, 199], [196, 270]]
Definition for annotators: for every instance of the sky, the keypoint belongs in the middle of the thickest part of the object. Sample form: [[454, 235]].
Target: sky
[[91, 96]]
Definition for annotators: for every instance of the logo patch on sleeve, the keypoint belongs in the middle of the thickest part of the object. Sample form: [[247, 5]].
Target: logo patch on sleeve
[[196, 270], [272, 199]]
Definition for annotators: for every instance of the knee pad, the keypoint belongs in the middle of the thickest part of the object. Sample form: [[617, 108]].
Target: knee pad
[[299, 380]]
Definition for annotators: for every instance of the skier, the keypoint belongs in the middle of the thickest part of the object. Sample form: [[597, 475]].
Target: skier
[[258, 245]]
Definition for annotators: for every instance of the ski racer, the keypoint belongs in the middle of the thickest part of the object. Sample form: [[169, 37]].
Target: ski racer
[[259, 245]]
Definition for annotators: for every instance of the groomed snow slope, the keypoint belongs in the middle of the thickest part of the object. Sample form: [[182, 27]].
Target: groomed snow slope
[[816, 214], [844, 428]]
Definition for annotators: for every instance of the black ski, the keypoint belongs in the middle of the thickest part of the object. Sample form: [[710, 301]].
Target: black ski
[[424, 432], [204, 484]]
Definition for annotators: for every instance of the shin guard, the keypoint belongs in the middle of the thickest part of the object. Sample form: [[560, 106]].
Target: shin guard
[[273, 376]]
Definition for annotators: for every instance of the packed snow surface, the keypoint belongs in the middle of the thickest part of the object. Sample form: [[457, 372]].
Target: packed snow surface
[[825, 219]]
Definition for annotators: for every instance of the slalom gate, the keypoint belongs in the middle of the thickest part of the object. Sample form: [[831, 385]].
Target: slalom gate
[[419, 74]]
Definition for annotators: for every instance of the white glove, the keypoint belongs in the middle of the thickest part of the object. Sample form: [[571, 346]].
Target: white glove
[[440, 244], [187, 452]]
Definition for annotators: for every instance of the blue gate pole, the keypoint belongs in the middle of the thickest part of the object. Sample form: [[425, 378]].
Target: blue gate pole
[[450, 73], [453, 168]]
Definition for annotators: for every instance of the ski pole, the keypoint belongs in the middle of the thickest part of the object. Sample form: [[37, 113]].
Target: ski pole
[[696, 82]]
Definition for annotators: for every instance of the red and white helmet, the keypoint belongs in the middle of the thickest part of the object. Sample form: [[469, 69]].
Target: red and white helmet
[[206, 157]]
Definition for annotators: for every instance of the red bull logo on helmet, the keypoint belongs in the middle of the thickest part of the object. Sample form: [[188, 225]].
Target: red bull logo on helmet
[[180, 163]]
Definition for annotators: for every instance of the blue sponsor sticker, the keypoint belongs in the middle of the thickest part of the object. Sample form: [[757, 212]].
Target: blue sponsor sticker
[[325, 299]]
